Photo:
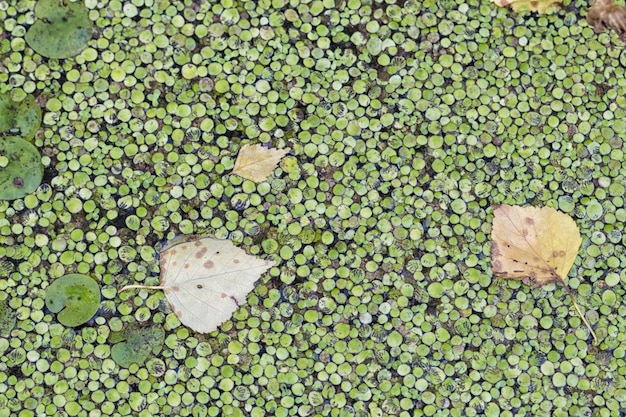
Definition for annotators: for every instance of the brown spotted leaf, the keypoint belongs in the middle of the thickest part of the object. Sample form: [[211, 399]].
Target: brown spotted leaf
[[206, 279], [540, 6], [256, 163], [604, 14], [538, 244]]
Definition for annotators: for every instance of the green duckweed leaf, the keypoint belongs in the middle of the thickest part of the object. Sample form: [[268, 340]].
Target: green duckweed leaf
[[75, 297], [135, 344], [62, 30], [8, 318], [22, 171], [206, 279], [21, 118]]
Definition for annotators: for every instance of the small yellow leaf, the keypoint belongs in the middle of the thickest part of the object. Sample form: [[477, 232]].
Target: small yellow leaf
[[539, 244], [540, 6], [256, 162]]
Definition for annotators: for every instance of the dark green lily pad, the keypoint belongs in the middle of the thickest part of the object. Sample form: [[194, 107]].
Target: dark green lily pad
[[135, 344], [75, 297], [62, 30], [23, 172], [8, 318], [21, 118]]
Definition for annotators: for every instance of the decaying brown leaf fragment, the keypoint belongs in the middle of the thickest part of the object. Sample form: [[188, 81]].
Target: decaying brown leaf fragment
[[536, 245], [256, 163], [605, 14], [539, 6]]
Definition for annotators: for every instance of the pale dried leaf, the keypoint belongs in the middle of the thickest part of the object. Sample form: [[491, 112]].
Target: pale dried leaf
[[540, 6], [206, 279], [604, 14], [256, 162], [538, 244]]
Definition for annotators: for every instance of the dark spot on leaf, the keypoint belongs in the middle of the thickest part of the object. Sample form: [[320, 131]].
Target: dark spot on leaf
[[208, 264], [235, 261], [224, 295], [199, 286], [201, 252], [528, 220], [186, 266], [558, 253], [18, 182]]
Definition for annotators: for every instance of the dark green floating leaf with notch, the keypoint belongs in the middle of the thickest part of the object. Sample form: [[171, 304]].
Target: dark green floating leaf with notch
[[8, 318], [135, 344], [62, 30], [75, 297], [22, 171], [19, 118]]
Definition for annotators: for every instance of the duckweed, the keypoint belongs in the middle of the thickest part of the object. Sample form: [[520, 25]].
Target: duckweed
[[408, 121]]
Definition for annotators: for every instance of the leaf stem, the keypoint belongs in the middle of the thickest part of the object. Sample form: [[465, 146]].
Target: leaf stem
[[595, 338], [146, 287]]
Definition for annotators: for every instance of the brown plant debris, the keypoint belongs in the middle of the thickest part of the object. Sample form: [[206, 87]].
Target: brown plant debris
[[605, 14]]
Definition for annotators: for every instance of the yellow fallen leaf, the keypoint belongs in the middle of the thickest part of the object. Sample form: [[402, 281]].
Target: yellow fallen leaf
[[536, 245], [540, 6], [256, 162], [540, 244]]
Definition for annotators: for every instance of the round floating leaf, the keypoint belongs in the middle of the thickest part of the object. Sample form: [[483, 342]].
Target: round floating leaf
[[23, 171], [136, 344], [19, 118], [8, 318], [63, 28], [75, 297]]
